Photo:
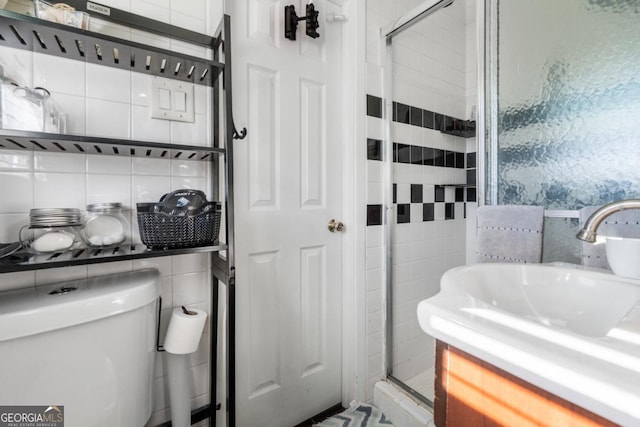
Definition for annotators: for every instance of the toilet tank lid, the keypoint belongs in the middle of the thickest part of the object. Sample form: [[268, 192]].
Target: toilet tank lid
[[36, 310]]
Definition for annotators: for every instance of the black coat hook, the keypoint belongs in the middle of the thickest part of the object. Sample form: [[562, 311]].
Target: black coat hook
[[291, 21], [239, 135]]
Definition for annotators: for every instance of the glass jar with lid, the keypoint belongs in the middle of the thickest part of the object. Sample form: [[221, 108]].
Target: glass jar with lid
[[105, 225], [51, 230], [42, 240]]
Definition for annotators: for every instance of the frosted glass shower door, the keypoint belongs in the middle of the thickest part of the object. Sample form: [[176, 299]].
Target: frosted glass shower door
[[563, 107]]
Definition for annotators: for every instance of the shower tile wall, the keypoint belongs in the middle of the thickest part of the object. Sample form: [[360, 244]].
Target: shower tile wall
[[107, 102], [434, 89]]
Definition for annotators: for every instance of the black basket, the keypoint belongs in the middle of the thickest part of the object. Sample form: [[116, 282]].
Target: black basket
[[163, 230]]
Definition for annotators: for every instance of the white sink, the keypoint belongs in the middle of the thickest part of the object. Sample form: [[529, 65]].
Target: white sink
[[572, 331]]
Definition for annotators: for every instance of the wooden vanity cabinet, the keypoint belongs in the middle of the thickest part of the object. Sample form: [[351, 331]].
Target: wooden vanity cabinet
[[470, 392]]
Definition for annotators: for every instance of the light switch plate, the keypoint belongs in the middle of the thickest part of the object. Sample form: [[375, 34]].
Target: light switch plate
[[172, 100]]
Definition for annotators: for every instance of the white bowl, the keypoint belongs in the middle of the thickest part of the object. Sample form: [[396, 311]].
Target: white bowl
[[623, 256]]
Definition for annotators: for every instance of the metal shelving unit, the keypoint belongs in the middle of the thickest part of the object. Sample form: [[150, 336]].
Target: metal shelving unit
[[75, 144], [84, 256], [35, 35], [28, 33]]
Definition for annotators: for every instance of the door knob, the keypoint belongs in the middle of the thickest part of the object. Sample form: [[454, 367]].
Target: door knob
[[334, 226]]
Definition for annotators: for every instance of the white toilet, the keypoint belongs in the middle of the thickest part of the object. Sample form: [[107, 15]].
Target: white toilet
[[90, 349]]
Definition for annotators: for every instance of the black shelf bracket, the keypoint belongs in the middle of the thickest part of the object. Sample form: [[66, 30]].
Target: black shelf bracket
[[291, 20]]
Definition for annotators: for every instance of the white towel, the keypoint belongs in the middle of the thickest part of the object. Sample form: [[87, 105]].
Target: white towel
[[620, 224], [508, 233]]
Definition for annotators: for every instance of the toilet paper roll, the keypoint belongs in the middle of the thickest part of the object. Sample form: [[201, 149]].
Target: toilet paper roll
[[185, 330]]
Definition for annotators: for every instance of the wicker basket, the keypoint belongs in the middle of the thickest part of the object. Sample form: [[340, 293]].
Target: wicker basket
[[162, 230]]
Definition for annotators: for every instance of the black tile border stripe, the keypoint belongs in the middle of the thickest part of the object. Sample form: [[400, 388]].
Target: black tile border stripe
[[403, 213], [449, 211], [462, 195], [417, 155], [374, 106], [374, 149], [428, 212], [416, 116], [374, 214]]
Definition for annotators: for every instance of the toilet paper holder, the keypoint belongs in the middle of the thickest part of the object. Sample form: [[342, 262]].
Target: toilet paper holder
[[159, 347], [185, 310]]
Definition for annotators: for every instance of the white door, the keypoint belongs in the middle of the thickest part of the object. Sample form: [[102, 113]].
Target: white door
[[288, 186]]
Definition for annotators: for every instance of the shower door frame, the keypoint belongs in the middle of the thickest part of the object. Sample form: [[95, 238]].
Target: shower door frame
[[426, 8], [487, 122]]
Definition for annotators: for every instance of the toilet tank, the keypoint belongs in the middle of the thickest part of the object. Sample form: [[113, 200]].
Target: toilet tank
[[87, 345]]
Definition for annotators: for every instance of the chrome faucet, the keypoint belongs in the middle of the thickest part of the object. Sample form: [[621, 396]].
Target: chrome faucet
[[588, 232]]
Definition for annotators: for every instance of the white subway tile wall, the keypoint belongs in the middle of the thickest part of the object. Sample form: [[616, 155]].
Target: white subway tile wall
[[102, 101], [434, 68]]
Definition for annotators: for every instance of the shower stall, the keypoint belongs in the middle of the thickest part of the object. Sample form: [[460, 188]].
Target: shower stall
[[559, 101], [429, 91]]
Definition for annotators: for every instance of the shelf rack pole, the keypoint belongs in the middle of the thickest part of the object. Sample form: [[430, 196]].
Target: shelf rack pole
[[224, 271], [231, 285], [215, 257]]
